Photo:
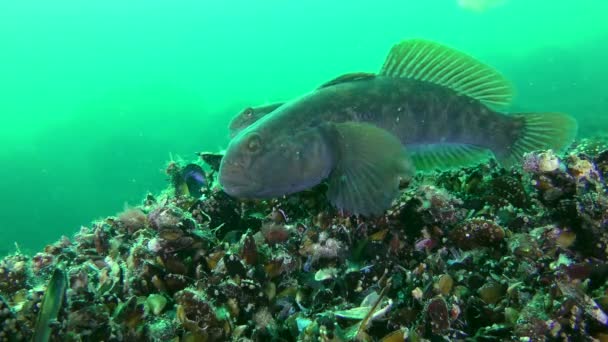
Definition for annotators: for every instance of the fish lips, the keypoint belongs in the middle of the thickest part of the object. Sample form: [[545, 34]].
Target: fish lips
[[238, 186], [247, 188]]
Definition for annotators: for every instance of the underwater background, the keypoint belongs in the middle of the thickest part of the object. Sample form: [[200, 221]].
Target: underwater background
[[96, 97]]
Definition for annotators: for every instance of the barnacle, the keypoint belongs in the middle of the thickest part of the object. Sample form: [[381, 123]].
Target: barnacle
[[477, 232]]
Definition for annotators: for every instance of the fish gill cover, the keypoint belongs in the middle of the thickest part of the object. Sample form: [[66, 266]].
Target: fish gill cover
[[474, 252]]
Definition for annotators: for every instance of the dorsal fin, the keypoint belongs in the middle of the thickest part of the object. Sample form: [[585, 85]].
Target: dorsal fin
[[446, 156], [350, 77], [432, 62]]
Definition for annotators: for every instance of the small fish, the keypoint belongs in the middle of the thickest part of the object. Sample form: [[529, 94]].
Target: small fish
[[429, 107], [248, 116], [190, 180]]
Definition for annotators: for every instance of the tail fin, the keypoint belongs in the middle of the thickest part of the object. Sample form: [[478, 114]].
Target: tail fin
[[540, 131]]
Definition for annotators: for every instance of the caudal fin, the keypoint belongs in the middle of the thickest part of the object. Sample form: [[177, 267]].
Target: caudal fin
[[539, 131]]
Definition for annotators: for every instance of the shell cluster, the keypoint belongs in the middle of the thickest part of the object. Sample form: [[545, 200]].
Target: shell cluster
[[479, 253]]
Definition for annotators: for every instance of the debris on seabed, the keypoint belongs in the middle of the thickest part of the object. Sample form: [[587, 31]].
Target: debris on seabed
[[480, 253]]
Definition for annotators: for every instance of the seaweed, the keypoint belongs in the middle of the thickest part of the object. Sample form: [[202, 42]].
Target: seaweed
[[52, 302]]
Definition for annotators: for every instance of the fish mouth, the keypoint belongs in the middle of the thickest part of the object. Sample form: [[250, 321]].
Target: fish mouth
[[238, 186]]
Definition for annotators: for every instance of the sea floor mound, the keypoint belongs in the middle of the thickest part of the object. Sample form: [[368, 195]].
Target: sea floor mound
[[480, 253]]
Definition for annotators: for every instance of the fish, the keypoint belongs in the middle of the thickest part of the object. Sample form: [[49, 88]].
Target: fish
[[190, 181], [195, 180], [248, 116], [430, 106]]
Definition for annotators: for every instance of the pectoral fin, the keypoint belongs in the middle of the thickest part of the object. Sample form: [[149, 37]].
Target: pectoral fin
[[370, 164]]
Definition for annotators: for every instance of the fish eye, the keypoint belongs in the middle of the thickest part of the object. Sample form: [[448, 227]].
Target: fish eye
[[248, 112], [254, 143]]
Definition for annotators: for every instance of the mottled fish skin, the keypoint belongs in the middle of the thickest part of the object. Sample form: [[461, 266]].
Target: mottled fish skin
[[415, 111], [250, 115]]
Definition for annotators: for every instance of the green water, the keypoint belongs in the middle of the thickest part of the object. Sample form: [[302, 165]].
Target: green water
[[96, 96]]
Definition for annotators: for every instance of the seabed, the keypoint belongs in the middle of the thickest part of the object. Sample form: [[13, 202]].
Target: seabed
[[480, 253]]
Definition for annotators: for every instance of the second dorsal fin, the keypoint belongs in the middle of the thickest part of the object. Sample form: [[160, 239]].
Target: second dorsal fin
[[350, 77], [432, 62]]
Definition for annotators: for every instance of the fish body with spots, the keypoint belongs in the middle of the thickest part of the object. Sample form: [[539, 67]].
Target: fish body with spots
[[429, 107], [416, 112]]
